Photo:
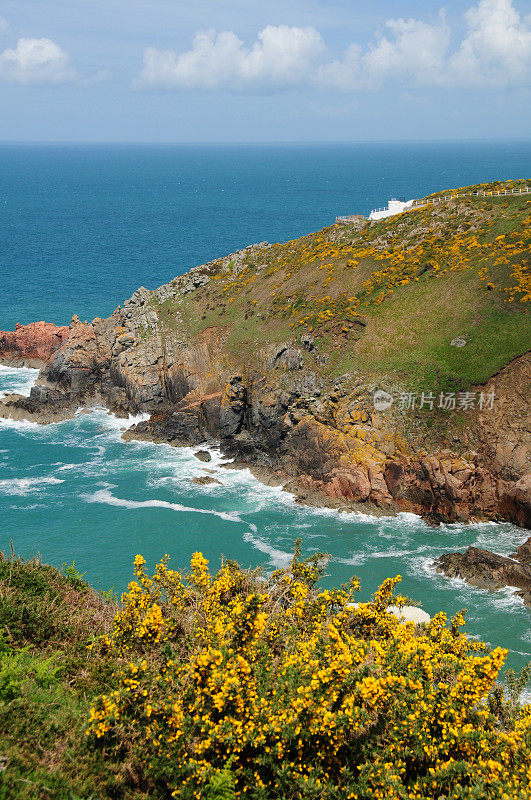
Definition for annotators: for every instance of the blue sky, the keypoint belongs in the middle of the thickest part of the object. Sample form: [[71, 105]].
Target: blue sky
[[255, 70]]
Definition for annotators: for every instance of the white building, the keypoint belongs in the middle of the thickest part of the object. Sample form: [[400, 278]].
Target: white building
[[394, 206]]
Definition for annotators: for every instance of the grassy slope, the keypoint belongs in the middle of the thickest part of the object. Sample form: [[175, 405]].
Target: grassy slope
[[48, 678], [417, 280]]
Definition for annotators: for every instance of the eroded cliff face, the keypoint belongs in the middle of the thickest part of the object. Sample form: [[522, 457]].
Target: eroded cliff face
[[278, 351], [322, 439], [31, 345]]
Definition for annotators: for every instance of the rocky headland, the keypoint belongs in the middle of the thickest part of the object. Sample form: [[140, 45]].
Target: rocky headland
[[279, 352]]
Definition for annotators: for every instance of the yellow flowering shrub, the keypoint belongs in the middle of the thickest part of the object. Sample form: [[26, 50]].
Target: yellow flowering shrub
[[237, 685], [396, 258]]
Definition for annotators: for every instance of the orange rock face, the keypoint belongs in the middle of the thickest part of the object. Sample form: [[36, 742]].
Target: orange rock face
[[31, 345]]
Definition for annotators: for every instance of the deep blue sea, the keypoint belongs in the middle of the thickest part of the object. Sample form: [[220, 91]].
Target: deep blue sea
[[81, 227]]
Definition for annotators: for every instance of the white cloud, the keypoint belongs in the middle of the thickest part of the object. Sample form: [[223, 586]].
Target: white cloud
[[494, 51], [416, 50], [282, 56], [497, 47], [344, 74], [36, 61]]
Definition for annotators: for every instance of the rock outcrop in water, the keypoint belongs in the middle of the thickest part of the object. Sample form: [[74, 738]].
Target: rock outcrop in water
[[234, 351], [31, 345], [489, 570]]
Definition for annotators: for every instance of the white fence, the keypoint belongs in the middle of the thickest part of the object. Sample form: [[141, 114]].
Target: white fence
[[426, 201]]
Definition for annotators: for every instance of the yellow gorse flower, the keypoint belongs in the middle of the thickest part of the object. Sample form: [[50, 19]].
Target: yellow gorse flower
[[282, 689]]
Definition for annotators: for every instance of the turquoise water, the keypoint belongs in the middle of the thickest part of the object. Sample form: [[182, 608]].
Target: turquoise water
[[76, 490], [80, 229]]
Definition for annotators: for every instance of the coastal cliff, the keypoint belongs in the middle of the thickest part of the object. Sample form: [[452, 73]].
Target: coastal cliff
[[31, 345], [382, 365]]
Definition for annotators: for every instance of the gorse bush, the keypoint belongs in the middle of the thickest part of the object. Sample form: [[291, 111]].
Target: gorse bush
[[234, 685]]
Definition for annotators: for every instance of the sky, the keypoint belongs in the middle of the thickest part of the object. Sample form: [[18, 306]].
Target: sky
[[264, 70]]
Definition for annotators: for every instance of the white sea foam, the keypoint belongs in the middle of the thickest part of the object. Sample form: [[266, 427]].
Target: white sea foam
[[525, 697], [501, 538], [423, 567], [278, 558], [361, 558], [503, 598], [105, 496], [17, 379], [24, 486], [506, 597], [22, 425]]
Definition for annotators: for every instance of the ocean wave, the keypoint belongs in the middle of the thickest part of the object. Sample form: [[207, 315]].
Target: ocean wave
[[22, 425], [24, 486], [503, 598], [16, 379], [423, 567], [106, 497], [278, 558], [504, 538], [361, 558], [30, 507]]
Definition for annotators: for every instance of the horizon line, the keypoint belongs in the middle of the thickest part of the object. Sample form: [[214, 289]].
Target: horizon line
[[493, 140]]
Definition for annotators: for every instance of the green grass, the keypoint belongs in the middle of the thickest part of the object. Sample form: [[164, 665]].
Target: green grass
[[408, 334], [47, 680], [411, 334]]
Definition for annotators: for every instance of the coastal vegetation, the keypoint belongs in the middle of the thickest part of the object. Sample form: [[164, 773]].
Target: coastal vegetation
[[236, 683], [397, 290], [282, 353]]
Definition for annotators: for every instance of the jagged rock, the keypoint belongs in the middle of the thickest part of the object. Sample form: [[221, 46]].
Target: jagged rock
[[516, 501], [179, 428], [232, 407], [205, 480], [166, 291], [318, 432], [281, 356], [203, 455], [523, 552], [44, 406], [352, 484], [31, 345], [487, 570]]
